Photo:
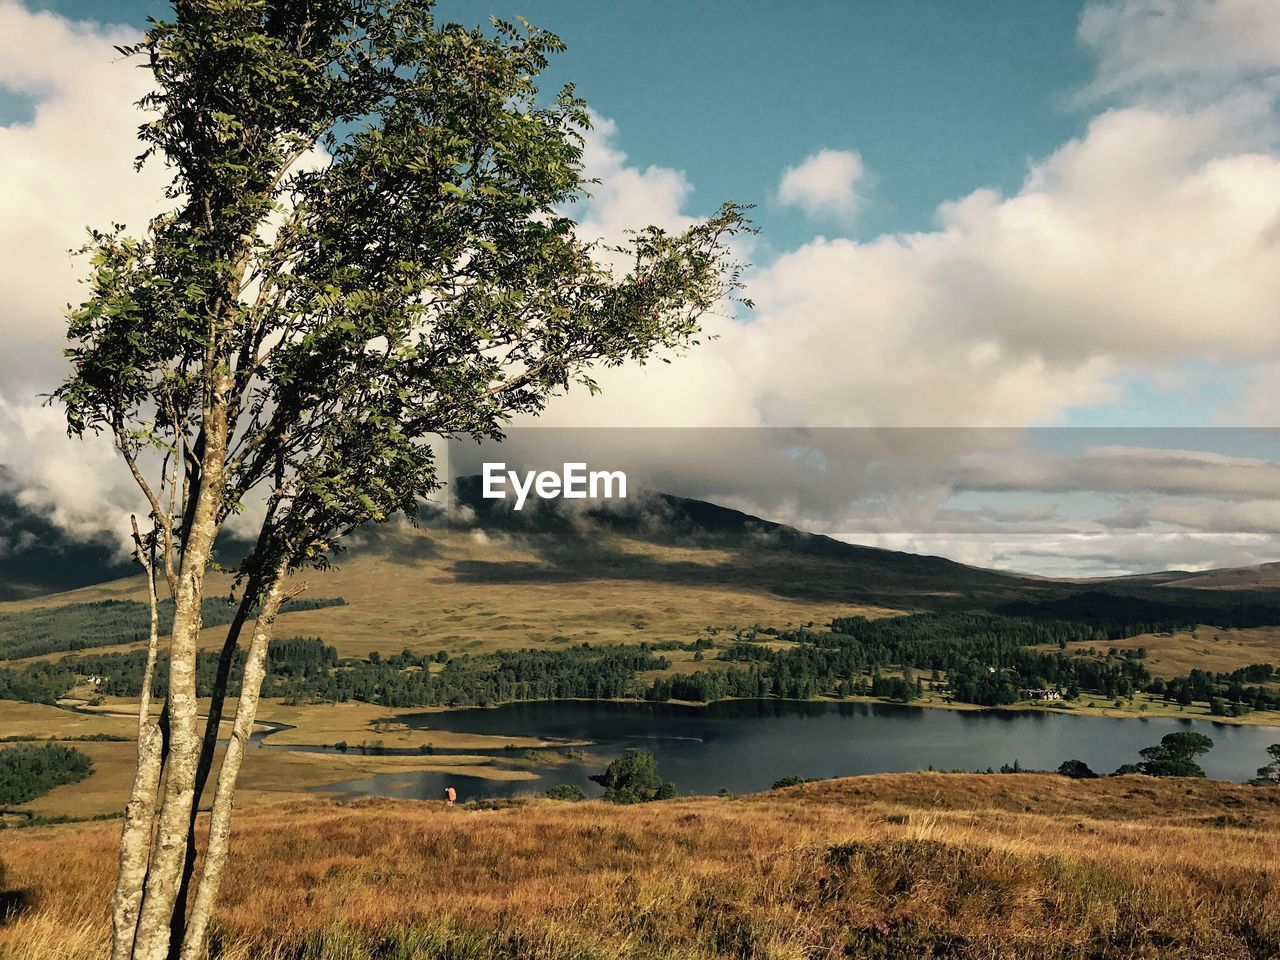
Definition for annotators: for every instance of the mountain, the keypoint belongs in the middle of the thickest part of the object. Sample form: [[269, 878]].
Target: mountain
[[658, 568], [38, 557], [737, 549]]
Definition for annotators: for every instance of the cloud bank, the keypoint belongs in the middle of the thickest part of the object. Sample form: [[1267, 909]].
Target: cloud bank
[[1147, 243]]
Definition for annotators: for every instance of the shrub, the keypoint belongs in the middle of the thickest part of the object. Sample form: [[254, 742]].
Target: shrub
[[1076, 770], [1270, 774], [633, 778], [569, 792], [791, 781], [1174, 755]]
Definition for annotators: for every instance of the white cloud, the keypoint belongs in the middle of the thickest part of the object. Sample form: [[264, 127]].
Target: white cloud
[[1090, 554], [1149, 240], [70, 167], [626, 196], [1184, 46], [80, 486], [1119, 470], [826, 183]]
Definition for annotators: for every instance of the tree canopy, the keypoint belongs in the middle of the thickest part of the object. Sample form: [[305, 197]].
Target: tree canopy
[[1175, 755], [368, 247], [633, 778]]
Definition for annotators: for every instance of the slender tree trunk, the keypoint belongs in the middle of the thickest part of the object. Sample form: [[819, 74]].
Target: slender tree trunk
[[170, 846], [215, 855], [139, 812], [217, 702]]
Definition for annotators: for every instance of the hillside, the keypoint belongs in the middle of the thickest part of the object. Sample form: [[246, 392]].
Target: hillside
[[664, 570], [658, 569], [903, 867], [37, 557]]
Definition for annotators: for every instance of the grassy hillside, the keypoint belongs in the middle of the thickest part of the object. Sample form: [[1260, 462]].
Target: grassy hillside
[[904, 866], [664, 572], [1176, 652], [471, 591]]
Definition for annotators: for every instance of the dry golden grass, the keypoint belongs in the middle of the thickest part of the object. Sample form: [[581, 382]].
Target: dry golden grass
[[429, 591], [1216, 649], [355, 722], [311, 724], [898, 866], [39, 720], [266, 776]]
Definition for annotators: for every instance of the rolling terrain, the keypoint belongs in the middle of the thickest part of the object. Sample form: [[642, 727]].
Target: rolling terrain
[[902, 866], [664, 569], [907, 866], [668, 571]]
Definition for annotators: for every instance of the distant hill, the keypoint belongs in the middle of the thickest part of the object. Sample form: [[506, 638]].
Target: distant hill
[[755, 553], [1263, 576], [37, 557], [653, 568]]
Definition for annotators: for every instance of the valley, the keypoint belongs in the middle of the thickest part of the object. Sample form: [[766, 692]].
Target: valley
[[708, 605]]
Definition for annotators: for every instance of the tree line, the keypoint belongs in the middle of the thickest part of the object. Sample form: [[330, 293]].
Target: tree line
[[105, 623], [305, 669], [29, 770], [984, 656], [1228, 694], [977, 657], [1118, 615]]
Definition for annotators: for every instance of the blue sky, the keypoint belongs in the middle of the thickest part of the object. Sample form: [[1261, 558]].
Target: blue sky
[[939, 97], [1011, 214]]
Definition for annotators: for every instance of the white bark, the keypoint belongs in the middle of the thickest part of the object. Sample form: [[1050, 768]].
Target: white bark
[[135, 838], [169, 850], [215, 854], [208, 746]]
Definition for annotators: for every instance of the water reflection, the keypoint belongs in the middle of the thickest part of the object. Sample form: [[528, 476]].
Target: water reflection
[[745, 745]]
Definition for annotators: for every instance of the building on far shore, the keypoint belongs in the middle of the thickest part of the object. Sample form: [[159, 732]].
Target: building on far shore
[[1039, 695]]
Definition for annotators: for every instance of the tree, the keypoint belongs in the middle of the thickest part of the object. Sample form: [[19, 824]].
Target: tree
[[367, 247], [1076, 770], [1270, 774], [633, 778], [1175, 755], [570, 792], [788, 781]]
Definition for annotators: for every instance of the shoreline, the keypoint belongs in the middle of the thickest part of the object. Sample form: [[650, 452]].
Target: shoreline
[[1258, 718]]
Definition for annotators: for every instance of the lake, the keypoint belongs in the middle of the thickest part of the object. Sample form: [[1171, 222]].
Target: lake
[[745, 745]]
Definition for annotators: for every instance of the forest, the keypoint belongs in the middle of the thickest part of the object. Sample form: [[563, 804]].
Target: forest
[[982, 654], [29, 770], [1228, 694], [1119, 615], [974, 656], [106, 623], [305, 669]]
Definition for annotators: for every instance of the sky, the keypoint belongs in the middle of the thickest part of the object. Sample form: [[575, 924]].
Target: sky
[[1045, 216]]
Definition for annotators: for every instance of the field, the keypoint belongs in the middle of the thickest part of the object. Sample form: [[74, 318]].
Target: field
[[433, 590], [267, 775], [902, 866], [43, 721], [264, 777], [1215, 649]]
